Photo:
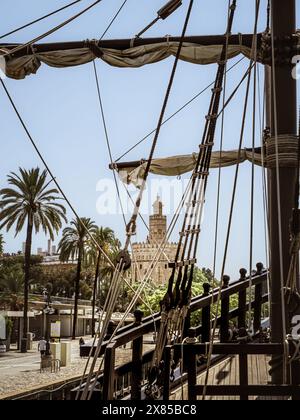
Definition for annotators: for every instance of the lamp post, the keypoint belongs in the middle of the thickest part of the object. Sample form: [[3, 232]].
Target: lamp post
[[48, 310]]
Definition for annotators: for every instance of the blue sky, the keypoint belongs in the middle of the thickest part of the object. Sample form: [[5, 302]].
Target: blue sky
[[61, 109]]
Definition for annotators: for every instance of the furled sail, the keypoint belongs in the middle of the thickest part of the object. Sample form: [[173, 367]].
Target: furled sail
[[18, 67], [179, 165]]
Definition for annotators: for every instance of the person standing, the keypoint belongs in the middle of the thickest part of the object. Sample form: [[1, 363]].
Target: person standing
[[42, 347]]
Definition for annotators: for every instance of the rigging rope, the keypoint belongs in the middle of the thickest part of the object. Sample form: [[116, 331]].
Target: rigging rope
[[176, 302], [107, 258], [40, 19], [87, 392], [132, 224], [116, 184], [113, 291], [51, 173], [148, 275], [219, 176], [268, 28], [250, 325], [113, 19], [210, 352], [96, 74], [176, 112], [107, 139], [51, 31], [262, 117]]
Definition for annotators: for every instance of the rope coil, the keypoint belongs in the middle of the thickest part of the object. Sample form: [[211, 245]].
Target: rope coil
[[286, 146]]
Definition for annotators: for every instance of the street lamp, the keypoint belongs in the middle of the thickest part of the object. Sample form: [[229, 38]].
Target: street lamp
[[48, 310]]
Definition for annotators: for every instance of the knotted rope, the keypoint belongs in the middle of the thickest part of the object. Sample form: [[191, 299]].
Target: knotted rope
[[286, 146]]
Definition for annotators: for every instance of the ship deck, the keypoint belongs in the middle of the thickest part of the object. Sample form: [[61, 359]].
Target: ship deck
[[227, 373]]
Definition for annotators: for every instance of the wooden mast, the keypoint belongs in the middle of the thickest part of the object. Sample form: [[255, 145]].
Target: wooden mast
[[284, 94]]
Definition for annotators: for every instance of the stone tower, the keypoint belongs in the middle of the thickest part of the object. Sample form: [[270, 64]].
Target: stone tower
[[144, 253], [158, 223]]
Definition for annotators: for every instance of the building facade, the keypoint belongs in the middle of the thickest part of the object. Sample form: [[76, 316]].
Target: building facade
[[144, 253]]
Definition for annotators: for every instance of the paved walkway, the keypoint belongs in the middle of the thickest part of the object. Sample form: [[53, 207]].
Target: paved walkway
[[21, 372], [15, 362]]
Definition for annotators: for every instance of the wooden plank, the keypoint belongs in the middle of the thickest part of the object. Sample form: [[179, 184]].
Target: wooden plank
[[233, 348], [244, 377], [227, 374], [259, 390]]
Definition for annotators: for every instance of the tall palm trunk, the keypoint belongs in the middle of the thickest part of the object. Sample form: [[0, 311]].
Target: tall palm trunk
[[95, 293], [77, 289], [26, 280]]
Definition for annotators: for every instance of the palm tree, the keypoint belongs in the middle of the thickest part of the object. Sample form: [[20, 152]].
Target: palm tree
[[73, 246], [104, 238], [29, 201], [1, 245], [107, 271]]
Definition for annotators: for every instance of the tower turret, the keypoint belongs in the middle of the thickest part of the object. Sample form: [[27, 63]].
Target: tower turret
[[158, 223]]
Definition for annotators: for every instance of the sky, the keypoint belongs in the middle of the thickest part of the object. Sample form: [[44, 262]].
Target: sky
[[61, 110]]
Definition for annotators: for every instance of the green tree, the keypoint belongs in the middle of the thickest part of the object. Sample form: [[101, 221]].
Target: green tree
[[10, 261], [11, 287], [104, 238], [1, 245], [154, 297], [72, 246], [30, 201]]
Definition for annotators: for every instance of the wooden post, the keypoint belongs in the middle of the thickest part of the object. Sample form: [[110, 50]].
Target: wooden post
[[137, 361], [258, 301], [224, 332], [284, 95], [206, 315], [192, 373], [242, 302], [167, 367], [109, 372], [187, 324], [295, 371]]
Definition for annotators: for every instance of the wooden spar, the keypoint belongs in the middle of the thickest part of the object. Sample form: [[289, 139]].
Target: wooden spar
[[284, 24], [122, 44], [125, 165]]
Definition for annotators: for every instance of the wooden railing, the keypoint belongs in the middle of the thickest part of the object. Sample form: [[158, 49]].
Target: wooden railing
[[130, 378]]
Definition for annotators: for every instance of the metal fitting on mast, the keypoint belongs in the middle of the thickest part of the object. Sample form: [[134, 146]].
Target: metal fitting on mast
[[163, 13]]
